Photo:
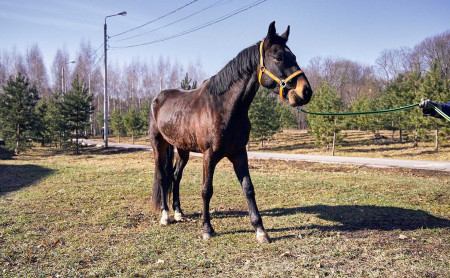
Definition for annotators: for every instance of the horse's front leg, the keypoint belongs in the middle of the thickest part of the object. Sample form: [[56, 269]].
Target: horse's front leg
[[182, 159], [209, 164], [240, 164]]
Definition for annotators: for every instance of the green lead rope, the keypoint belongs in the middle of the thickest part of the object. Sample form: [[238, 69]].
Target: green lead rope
[[445, 116], [359, 113], [373, 112]]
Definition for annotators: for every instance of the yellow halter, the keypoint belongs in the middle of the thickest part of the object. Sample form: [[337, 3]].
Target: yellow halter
[[263, 69]]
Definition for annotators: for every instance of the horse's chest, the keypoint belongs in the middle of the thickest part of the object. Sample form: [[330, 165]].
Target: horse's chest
[[235, 134]]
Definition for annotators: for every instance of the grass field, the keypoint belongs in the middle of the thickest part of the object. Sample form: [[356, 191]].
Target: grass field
[[354, 143], [89, 216]]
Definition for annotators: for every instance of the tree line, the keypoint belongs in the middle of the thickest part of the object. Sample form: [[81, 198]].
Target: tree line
[[64, 117], [405, 89], [129, 84], [351, 79], [399, 77]]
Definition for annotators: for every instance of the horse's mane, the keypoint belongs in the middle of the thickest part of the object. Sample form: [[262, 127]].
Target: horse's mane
[[243, 64]]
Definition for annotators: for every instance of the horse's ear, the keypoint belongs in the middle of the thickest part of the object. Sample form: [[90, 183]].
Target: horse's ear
[[272, 31], [285, 35]]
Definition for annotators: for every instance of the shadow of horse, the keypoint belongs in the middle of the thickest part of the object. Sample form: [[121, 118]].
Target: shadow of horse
[[16, 177], [350, 218], [355, 217]]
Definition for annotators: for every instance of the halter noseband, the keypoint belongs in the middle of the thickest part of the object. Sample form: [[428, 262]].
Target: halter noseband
[[281, 82]]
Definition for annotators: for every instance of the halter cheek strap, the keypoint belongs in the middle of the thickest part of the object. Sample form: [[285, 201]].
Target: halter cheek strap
[[262, 69]]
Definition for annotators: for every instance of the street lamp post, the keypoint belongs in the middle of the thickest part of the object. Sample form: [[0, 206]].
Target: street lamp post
[[105, 95]]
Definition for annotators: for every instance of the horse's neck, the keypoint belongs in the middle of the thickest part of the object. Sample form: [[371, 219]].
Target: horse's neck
[[242, 93], [237, 82]]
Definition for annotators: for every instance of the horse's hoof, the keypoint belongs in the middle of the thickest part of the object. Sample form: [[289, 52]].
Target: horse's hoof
[[262, 237], [179, 217], [165, 222], [165, 219], [207, 236]]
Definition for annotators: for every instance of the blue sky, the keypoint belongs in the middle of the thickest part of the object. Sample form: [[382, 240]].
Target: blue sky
[[356, 30]]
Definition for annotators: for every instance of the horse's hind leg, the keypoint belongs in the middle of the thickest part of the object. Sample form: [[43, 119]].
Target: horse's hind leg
[[161, 179], [240, 164], [182, 159]]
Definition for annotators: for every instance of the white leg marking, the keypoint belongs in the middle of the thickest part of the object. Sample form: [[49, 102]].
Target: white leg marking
[[207, 236], [165, 219], [178, 216], [262, 236]]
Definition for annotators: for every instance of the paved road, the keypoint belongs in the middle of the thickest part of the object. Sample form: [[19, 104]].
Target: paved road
[[371, 162]]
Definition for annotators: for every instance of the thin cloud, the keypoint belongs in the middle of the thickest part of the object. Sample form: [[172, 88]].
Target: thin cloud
[[53, 22]]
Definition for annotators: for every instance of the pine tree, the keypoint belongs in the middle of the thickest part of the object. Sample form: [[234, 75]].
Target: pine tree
[[41, 126], [264, 116], [367, 122], [288, 119], [186, 83], [132, 122], [77, 107], [325, 128], [144, 113], [56, 120], [117, 124], [389, 121], [17, 113], [434, 88], [360, 122], [401, 91]]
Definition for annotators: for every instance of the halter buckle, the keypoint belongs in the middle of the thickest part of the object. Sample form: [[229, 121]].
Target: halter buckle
[[283, 83]]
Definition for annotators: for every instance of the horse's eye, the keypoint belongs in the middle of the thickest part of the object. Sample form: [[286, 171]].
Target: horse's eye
[[277, 56]]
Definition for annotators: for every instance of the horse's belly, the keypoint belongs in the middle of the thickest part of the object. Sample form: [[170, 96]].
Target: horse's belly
[[180, 135]]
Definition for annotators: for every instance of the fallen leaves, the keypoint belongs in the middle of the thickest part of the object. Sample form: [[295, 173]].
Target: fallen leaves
[[52, 244]]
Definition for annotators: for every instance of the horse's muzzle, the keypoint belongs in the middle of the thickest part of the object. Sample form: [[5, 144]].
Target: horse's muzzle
[[301, 94]]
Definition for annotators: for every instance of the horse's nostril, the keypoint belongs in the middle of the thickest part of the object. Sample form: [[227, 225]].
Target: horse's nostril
[[307, 93]]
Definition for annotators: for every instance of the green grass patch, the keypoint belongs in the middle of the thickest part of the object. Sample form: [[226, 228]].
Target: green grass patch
[[89, 216]]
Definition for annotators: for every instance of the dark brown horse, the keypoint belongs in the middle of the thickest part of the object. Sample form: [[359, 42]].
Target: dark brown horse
[[213, 119]]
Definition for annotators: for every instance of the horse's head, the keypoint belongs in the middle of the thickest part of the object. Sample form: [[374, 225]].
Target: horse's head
[[279, 70]]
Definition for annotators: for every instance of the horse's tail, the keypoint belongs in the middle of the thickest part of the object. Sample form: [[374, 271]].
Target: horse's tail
[[166, 180]]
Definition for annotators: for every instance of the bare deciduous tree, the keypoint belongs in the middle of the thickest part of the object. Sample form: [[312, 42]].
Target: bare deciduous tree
[[60, 65], [12, 63], [348, 77], [436, 48], [36, 70]]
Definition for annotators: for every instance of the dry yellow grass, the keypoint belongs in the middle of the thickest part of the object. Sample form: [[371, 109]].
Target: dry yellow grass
[[89, 216], [354, 143]]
